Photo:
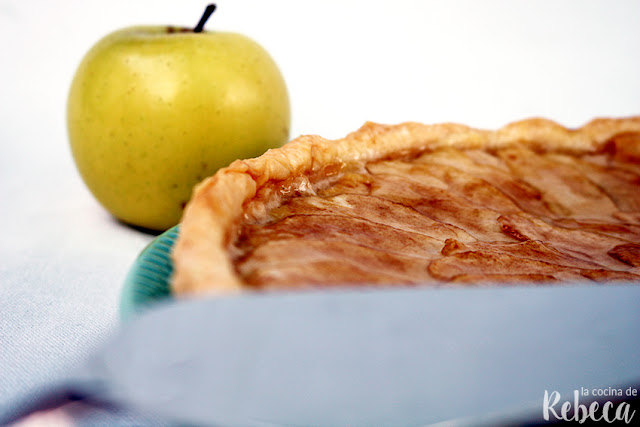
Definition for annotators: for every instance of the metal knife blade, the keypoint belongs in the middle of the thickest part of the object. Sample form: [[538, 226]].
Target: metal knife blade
[[374, 357]]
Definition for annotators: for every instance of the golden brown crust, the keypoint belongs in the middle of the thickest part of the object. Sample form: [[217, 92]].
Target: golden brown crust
[[247, 189]]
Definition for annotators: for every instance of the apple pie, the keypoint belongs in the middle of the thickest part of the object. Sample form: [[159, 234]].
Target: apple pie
[[416, 204]]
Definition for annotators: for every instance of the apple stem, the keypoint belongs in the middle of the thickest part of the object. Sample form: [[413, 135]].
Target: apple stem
[[205, 16]]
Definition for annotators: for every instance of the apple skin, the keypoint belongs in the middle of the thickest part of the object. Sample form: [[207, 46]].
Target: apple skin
[[154, 110]]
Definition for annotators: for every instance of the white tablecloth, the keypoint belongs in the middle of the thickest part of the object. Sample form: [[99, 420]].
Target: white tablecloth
[[63, 259]]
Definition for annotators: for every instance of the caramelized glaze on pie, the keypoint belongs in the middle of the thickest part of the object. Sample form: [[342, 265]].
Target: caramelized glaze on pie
[[421, 204]]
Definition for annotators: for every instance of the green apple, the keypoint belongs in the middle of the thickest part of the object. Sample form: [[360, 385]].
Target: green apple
[[154, 110]]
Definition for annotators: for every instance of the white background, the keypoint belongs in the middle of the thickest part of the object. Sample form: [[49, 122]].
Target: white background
[[482, 63]]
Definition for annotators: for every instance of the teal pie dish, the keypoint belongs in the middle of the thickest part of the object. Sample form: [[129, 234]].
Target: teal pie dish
[[147, 283]]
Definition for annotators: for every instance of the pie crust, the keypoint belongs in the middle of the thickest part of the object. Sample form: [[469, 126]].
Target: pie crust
[[414, 204]]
